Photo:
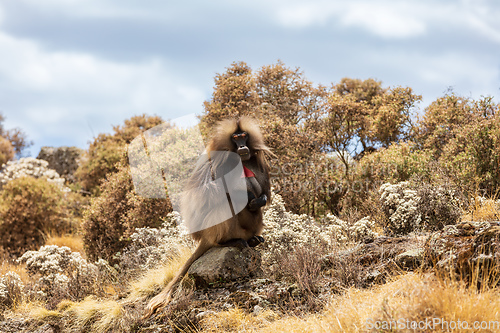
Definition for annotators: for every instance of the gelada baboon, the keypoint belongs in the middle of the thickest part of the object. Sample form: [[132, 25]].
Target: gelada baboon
[[201, 202]]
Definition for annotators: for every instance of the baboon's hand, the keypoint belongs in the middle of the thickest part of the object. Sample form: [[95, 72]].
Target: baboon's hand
[[256, 203]]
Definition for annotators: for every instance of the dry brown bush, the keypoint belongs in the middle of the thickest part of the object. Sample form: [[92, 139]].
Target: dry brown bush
[[6, 151], [108, 149], [113, 216]]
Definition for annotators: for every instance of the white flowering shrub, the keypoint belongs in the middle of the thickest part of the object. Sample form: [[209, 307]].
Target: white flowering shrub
[[342, 232], [418, 207], [400, 205], [151, 247], [284, 230], [32, 167], [339, 229], [64, 274], [11, 289], [363, 229], [439, 205]]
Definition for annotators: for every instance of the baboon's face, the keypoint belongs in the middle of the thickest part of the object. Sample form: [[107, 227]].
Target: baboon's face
[[240, 139]]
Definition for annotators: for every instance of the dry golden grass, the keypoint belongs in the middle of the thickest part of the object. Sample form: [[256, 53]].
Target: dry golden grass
[[236, 320], [74, 242], [42, 314], [154, 280], [8, 266], [98, 315], [488, 210], [412, 297]]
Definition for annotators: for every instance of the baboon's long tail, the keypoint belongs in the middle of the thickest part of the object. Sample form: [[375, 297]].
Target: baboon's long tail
[[164, 297]]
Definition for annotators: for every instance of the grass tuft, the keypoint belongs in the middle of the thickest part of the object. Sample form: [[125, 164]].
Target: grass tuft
[[236, 320], [154, 280], [486, 210]]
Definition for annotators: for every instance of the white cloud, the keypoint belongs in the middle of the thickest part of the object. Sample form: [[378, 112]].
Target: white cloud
[[70, 88], [29, 66], [385, 21], [483, 27], [307, 14], [389, 20]]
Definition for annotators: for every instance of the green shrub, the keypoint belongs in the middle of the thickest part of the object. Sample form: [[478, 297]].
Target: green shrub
[[396, 163], [116, 213], [473, 156], [29, 209]]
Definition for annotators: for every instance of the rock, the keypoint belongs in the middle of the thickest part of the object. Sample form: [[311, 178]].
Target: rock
[[220, 265], [64, 160], [470, 249], [243, 299], [410, 259]]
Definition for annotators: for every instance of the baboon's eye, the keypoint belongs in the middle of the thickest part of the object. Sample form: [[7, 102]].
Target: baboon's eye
[[243, 135]]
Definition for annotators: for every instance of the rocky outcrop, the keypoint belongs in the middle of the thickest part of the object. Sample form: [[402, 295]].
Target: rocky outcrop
[[64, 160], [470, 249], [373, 262]]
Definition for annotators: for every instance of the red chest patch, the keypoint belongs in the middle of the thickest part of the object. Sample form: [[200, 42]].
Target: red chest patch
[[247, 173]]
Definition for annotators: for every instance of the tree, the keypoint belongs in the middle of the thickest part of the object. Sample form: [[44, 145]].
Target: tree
[[362, 113], [446, 116], [17, 139], [108, 149]]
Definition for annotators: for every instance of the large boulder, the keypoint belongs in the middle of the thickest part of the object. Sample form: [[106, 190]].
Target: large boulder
[[220, 265], [64, 160]]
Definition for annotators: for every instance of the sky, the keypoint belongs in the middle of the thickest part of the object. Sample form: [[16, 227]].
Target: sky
[[71, 69]]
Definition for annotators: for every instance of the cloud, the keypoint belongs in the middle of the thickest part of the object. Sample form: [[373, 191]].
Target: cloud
[[43, 89], [307, 14], [149, 83], [395, 20]]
